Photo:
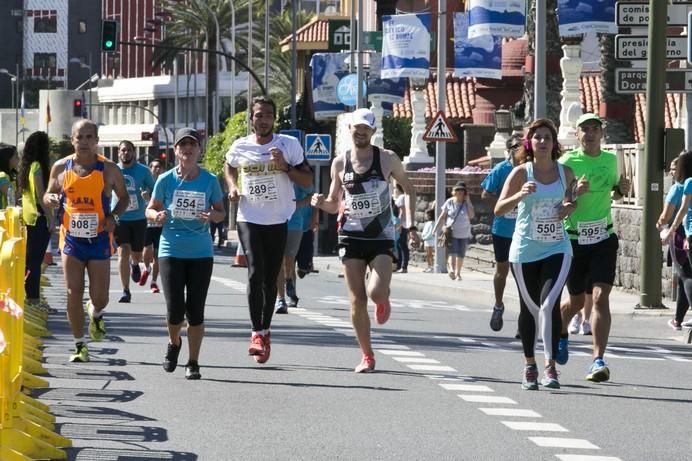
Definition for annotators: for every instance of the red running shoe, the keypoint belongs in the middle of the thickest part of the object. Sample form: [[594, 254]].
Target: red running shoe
[[154, 287], [256, 345], [367, 365], [262, 358], [143, 278], [382, 312]]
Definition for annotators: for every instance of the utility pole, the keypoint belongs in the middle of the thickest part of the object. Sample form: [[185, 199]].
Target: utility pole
[[540, 49], [441, 147], [652, 189]]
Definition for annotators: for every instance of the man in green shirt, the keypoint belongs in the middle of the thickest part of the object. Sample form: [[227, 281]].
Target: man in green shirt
[[594, 244]]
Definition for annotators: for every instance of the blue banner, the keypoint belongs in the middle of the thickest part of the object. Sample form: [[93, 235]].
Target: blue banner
[[578, 17], [327, 70], [479, 57], [406, 46], [388, 90], [502, 18]]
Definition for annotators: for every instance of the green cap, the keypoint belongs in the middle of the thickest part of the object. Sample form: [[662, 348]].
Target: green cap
[[587, 117]]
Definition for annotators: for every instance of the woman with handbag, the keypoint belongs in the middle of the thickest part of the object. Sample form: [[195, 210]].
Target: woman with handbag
[[457, 213]]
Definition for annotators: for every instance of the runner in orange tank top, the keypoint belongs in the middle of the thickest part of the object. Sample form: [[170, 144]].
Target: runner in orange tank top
[[80, 186]]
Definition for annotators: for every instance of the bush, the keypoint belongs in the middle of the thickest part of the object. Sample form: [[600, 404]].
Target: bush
[[218, 145], [397, 135]]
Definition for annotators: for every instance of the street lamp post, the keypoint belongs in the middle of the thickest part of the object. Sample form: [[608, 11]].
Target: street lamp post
[[15, 97]]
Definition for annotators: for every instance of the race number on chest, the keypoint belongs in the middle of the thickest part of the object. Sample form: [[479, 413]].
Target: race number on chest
[[84, 225], [188, 204], [546, 226], [260, 188], [364, 205]]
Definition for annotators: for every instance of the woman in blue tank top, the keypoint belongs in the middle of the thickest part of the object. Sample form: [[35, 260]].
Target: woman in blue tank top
[[544, 193]]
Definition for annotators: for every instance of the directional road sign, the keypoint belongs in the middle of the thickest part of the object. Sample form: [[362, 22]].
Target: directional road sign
[[629, 81], [636, 47], [637, 14], [318, 147]]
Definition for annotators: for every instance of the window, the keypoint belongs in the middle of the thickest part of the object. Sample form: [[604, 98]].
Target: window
[[82, 26], [46, 24], [44, 60]]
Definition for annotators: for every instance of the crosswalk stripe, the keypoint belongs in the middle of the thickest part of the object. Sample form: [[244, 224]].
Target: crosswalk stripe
[[518, 412], [415, 360], [393, 346], [533, 426], [587, 458], [560, 442], [487, 399], [466, 387], [398, 353], [431, 368]]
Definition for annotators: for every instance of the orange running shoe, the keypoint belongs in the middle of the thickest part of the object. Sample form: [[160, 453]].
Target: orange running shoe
[[256, 345], [262, 358], [382, 312], [367, 365]]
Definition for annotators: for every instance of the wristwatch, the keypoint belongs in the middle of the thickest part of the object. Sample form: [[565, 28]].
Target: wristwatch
[[116, 218], [289, 167]]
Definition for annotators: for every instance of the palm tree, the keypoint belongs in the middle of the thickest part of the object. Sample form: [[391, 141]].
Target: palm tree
[[554, 52]]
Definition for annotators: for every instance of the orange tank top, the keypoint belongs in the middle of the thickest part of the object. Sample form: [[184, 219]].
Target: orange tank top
[[83, 202]]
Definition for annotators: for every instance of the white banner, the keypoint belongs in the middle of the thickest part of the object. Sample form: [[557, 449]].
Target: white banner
[[479, 57], [406, 46], [502, 18]]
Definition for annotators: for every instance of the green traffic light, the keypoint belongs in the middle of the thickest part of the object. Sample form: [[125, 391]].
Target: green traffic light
[[109, 44]]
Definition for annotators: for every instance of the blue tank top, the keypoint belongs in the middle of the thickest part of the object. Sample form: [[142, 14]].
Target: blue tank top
[[539, 232]]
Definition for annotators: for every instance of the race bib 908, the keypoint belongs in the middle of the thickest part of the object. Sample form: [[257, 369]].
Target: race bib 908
[[84, 225]]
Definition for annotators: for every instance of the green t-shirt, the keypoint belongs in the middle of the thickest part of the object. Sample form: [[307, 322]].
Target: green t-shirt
[[30, 208], [602, 174]]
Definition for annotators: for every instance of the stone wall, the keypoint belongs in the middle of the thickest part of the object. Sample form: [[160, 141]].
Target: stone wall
[[626, 222]]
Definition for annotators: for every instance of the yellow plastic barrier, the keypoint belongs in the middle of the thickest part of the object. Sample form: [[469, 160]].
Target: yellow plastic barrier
[[26, 426]]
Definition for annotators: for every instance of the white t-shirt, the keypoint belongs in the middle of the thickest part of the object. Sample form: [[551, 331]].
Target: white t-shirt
[[266, 191], [461, 226], [400, 202]]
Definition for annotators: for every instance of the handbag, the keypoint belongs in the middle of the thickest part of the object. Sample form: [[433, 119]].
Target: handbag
[[445, 239]]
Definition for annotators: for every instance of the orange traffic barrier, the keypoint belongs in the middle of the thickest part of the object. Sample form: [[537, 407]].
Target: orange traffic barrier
[[240, 260]]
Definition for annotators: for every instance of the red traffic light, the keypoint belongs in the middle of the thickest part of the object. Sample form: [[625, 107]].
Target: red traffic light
[[162, 156], [77, 108]]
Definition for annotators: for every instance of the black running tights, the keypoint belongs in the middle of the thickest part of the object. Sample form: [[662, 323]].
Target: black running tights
[[264, 251]]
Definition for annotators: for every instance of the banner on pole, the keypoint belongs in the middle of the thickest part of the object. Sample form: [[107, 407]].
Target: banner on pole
[[503, 18], [406, 46], [327, 70], [576, 17], [479, 57], [388, 90]]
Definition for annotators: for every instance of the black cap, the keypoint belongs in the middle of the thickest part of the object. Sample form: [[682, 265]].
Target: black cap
[[186, 132], [459, 185]]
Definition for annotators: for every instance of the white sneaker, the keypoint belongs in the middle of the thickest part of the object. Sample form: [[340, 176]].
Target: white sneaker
[[574, 324], [687, 324], [585, 328]]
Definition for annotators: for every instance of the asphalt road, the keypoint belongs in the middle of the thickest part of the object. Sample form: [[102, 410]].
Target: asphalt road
[[445, 387]]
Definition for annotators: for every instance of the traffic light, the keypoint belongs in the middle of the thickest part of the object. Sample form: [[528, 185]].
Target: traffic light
[[77, 108], [109, 36]]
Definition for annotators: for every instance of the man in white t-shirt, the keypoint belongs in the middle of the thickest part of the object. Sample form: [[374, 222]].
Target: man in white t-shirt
[[259, 171]]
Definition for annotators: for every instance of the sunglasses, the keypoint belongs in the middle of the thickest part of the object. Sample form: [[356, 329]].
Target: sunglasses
[[514, 146]]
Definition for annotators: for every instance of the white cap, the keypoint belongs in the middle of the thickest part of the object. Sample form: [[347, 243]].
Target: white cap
[[363, 117]]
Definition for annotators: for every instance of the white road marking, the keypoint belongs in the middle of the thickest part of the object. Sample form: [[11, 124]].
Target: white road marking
[[533, 426], [349, 332], [466, 387], [399, 353], [559, 442], [431, 368], [487, 399], [518, 412], [587, 458], [393, 346], [415, 360], [677, 359]]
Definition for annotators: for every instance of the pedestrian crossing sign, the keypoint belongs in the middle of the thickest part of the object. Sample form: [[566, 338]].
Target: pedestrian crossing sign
[[318, 147], [439, 130]]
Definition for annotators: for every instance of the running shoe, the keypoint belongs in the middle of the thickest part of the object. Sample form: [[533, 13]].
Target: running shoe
[[366, 365], [143, 278], [170, 360], [154, 287], [562, 351], [529, 381], [598, 372], [81, 353], [280, 306], [135, 272], [574, 325], [267, 349], [550, 378], [674, 324], [382, 312], [687, 324], [256, 344], [291, 293], [585, 328], [428, 270], [496, 318], [192, 370], [302, 273], [126, 297], [97, 326], [451, 275]]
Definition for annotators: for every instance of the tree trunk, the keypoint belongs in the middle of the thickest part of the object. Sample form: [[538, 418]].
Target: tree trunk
[[212, 83]]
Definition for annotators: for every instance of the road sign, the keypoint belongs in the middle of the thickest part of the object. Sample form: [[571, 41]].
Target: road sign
[[318, 147], [298, 134], [339, 35], [346, 90], [636, 47], [629, 81], [439, 130], [637, 14]]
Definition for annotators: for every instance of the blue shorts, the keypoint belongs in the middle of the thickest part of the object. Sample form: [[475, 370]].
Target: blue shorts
[[458, 247], [98, 248]]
